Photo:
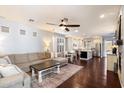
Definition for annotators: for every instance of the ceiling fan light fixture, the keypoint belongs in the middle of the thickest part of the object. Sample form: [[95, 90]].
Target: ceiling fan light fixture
[[102, 16], [62, 27], [76, 30]]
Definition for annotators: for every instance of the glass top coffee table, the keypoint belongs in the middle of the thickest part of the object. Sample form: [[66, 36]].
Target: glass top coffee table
[[47, 66]]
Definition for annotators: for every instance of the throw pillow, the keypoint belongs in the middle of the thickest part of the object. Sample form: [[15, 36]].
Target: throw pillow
[[3, 61], [9, 71], [8, 59]]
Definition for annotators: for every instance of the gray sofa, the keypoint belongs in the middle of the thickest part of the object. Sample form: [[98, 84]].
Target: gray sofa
[[24, 61]]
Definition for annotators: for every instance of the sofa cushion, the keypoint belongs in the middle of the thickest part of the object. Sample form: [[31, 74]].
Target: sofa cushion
[[39, 61], [22, 65], [33, 56], [61, 59], [47, 55], [3, 61], [21, 58], [8, 59], [60, 54], [41, 56]]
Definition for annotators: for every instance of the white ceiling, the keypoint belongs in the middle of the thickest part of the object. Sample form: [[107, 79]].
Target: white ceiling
[[87, 16]]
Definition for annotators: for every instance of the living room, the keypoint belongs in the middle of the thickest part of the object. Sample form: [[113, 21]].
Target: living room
[[39, 49]]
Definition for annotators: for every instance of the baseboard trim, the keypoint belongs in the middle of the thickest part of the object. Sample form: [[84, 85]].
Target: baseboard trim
[[121, 84], [119, 76]]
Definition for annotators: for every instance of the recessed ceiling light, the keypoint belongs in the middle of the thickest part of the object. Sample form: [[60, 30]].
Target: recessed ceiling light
[[76, 30], [102, 16]]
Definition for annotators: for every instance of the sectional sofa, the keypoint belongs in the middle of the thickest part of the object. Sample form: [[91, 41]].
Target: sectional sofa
[[24, 61]]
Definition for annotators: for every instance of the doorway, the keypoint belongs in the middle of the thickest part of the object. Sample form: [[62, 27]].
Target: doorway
[[107, 48]]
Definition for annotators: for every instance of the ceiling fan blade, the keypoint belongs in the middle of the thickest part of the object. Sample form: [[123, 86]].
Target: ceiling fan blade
[[51, 24], [61, 25], [67, 29], [72, 25]]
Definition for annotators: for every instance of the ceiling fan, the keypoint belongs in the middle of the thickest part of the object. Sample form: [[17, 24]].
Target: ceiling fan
[[64, 23]]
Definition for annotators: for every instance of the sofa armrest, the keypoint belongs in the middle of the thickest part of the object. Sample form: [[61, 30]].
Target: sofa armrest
[[11, 80], [15, 79], [27, 80], [63, 59]]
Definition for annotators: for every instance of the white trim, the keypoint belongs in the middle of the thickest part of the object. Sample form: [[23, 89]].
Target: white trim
[[121, 83], [119, 76]]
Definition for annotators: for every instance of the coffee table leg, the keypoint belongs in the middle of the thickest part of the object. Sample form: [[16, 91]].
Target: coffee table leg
[[40, 76], [33, 73], [58, 69]]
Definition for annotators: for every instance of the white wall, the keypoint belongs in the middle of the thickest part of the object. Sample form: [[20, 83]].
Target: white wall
[[13, 42], [122, 60], [69, 44], [71, 41]]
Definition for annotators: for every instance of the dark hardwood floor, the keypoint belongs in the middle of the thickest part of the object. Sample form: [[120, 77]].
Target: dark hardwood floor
[[93, 75]]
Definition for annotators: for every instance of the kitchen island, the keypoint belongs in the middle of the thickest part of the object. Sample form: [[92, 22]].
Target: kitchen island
[[85, 54]]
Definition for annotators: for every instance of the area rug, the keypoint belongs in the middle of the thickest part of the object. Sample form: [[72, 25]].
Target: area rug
[[54, 80]]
